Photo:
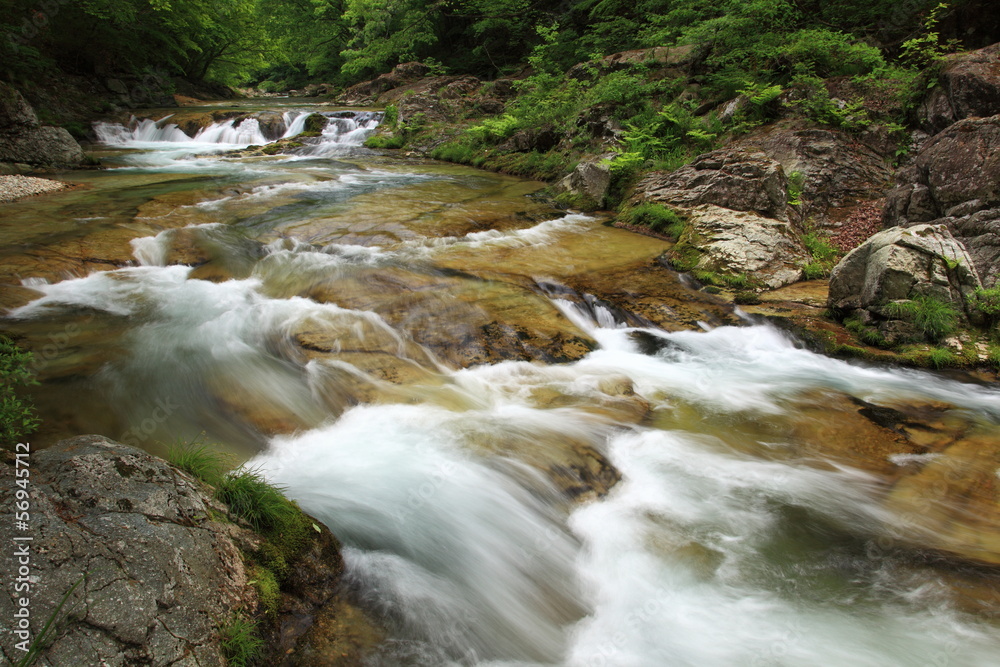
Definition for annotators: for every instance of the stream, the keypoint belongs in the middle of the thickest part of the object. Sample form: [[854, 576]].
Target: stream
[[523, 470]]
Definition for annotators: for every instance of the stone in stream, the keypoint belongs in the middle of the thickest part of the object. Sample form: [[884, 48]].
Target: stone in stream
[[162, 572], [899, 265]]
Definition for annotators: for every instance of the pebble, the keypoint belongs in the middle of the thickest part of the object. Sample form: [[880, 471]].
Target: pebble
[[13, 188]]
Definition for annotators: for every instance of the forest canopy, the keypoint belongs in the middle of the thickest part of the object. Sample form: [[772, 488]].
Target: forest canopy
[[287, 43]]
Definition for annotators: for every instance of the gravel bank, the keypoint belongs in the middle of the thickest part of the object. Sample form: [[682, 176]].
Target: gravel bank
[[16, 187]]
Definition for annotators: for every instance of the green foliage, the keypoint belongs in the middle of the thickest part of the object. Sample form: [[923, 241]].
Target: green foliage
[[815, 102], [935, 319], [986, 302], [240, 643], [935, 357], [495, 129], [796, 183], [921, 51], [824, 255], [394, 141], [200, 459], [656, 217], [18, 418], [390, 117]]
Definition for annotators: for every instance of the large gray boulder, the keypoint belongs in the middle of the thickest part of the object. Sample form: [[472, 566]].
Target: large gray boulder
[[44, 146], [162, 573], [968, 86], [159, 574], [900, 264], [736, 179], [738, 242], [955, 181], [23, 140]]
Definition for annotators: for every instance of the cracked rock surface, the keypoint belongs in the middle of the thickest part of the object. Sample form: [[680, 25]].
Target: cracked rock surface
[[160, 575]]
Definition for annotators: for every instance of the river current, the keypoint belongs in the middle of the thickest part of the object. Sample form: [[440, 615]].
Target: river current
[[520, 473]]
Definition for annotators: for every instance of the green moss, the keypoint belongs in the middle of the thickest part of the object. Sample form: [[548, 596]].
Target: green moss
[[268, 589], [316, 123], [746, 298], [656, 217], [386, 141]]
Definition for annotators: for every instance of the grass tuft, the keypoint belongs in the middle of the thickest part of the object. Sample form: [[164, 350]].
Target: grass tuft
[[261, 504], [199, 459], [241, 646]]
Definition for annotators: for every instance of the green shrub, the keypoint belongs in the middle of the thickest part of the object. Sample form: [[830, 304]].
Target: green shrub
[[240, 644], [935, 319], [390, 117], [987, 303], [824, 256], [796, 182], [393, 141], [17, 415]]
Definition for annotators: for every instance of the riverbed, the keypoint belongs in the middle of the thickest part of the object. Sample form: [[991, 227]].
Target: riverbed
[[538, 444]]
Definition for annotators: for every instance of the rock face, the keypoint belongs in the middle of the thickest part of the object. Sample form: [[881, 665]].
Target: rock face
[[731, 178], [899, 264], [23, 140], [969, 85], [737, 242], [837, 171], [160, 574], [955, 181]]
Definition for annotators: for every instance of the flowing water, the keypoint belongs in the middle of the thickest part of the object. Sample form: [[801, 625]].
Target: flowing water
[[522, 473]]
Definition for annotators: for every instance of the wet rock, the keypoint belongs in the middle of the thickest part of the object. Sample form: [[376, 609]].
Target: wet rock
[[736, 242], [588, 183], [731, 178], [899, 264], [968, 86]]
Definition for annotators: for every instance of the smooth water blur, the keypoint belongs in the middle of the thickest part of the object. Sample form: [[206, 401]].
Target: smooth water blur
[[322, 317]]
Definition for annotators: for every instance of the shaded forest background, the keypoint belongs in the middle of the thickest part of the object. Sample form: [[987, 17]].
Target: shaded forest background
[[282, 44]]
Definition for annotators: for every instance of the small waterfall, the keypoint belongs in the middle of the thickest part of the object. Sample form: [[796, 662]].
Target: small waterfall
[[343, 129], [295, 121]]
